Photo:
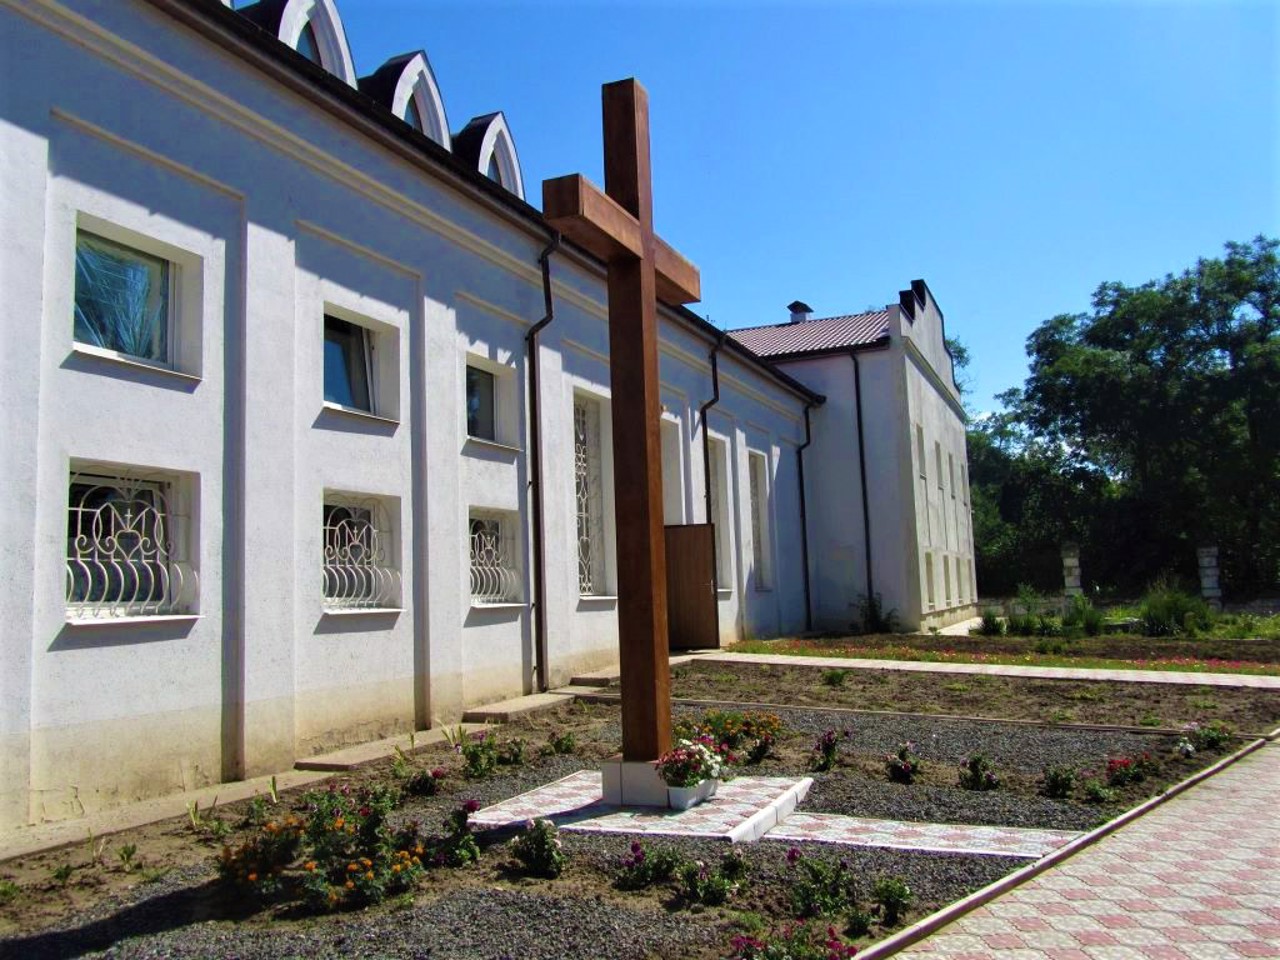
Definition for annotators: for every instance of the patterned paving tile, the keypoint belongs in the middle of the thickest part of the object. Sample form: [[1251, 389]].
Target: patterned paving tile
[[937, 837], [575, 803], [1195, 879]]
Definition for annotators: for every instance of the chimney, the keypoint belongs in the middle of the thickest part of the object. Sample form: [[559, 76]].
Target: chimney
[[800, 311]]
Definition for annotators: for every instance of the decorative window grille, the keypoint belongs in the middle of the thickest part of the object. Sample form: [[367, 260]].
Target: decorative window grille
[[125, 550], [495, 572], [760, 522], [359, 570], [589, 495]]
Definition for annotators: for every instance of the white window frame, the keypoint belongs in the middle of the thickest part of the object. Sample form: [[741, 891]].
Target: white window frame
[[493, 546], [360, 569], [147, 526], [505, 402], [761, 531], [718, 451], [381, 346], [171, 273]]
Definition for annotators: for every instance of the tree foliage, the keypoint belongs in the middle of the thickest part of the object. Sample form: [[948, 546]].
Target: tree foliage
[[1146, 427]]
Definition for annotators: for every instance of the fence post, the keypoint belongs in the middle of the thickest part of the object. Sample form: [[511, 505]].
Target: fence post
[[1209, 586]]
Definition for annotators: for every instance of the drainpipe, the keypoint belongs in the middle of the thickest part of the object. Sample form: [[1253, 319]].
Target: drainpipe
[[862, 470], [702, 421], [535, 468], [804, 522]]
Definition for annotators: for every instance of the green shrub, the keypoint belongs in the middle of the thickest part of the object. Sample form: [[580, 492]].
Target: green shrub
[[799, 942], [893, 896], [511, 753], [8, 891], [1057, 782], [820, 888], [710, 887], [872, 617], [1084, 615], [977, 773], [1095, 792], [1021, 625], [425, 783], [1166, 611], [540, 850], [480, 751], [643, 868], [903, 766], [559, 745], [835, 678], [753, 730], [1213, 735], [992, 625]]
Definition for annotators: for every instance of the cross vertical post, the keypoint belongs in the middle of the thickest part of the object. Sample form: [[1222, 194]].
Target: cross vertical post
[[617, 226]]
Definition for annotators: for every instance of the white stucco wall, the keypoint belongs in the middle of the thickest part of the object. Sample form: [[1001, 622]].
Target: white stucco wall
[[275, 213]]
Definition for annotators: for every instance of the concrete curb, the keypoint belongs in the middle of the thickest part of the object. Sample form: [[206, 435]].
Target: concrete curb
[[756, 705], [949, 914], [758, 825]]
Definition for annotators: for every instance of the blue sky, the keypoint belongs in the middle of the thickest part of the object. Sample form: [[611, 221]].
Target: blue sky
[[1014, 155]]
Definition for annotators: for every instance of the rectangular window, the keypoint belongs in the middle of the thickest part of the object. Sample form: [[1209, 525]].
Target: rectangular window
[[360, 569], [495, 568], [127, 549], [946, 580], [951, 474], [347, 375], [928, 578], [964, 484], [760, 534], [123, 299], [588, 483], [961, 592], [937, 454], [921, 463], [480, 404], [719, 513]]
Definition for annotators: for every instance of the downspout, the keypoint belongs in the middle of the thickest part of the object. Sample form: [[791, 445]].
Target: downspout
[[862, 470], [804, 521], [702, 422], [535, 468]]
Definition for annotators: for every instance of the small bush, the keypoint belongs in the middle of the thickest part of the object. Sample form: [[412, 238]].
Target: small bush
[[1057, 782], [873, 618], [1095, 792], [754, 731], [540, 850], [8, 891], [1021, 625], [825, 748], [903, 766], [643, 868], [480, 751], [820, 888], [425, 783], [893, 897], [1213, 735], [1167, 612], [992, 625], [800, 942], [702, 884], [835, 678], [559, 745], [1122, 770], [511, 753], [857, 923], [977, 773]]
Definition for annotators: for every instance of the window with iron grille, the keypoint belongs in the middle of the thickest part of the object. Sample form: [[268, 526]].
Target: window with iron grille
[[127, 545], [359, 567], [589, 496], [495, 567]]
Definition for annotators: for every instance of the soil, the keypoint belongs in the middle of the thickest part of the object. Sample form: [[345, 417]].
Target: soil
[[1157, 705], [165, 901]]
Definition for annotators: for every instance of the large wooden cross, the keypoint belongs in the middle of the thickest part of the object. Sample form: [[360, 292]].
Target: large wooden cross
[[617, 226]]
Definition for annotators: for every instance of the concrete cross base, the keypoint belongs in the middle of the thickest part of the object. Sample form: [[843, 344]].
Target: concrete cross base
[[632, 783]]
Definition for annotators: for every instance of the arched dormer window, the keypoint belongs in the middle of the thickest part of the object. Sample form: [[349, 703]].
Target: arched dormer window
[[312, 27], [486, 143], [406, 86]]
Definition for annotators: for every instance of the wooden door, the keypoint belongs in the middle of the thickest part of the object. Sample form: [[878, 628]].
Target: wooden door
[[693, 620]]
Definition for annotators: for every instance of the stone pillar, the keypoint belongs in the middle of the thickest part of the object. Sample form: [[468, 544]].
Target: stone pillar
[[1209, 588], [1071, 570]]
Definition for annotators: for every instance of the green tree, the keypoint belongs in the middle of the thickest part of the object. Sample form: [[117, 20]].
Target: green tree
[[1161, 409]]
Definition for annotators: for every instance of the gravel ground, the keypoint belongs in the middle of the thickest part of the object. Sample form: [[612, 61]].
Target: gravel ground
[[477, 919]]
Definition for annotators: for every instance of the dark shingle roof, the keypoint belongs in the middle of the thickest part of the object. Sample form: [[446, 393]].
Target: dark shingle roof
[[815, 336]]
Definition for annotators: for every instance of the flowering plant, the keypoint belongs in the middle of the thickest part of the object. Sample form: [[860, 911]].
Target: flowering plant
[[539, 849], [903, 766], [690, 762]]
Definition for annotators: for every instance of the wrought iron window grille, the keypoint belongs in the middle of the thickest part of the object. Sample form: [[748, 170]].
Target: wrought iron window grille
[[126, 552], [589, 496], [359, 573], [495, 572]]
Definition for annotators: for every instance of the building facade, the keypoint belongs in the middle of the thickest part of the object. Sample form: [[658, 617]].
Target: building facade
[[306, 411]]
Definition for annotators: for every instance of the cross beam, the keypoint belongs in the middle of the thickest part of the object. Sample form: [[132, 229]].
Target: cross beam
[[617, 227]]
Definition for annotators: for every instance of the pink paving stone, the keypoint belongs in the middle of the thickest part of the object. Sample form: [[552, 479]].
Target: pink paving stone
[[1257, 948], [1163, 952], [1095, 938], [1066, 953], [1030, 923], [1118, 921], [1004, 941]]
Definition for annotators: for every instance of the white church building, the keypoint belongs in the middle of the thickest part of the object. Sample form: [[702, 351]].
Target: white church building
[[306, 416]]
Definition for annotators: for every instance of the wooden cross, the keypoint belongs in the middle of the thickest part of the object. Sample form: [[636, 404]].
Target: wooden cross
[[617, 227]]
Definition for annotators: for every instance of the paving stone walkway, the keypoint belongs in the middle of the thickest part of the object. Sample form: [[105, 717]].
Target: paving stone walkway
[[1197, 878], [735, 813], [1006, 670]]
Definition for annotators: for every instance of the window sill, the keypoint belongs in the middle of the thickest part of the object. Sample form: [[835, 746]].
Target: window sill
[[359, 414], [73, 621], [360, 611], [514, 605], [723, 593], [492, 445], [133, 363]]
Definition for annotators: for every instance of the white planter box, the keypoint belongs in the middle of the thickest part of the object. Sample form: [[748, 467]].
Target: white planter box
[[682, 798]]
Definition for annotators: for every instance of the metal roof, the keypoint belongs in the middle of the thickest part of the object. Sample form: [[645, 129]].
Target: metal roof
[[815, 336]]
